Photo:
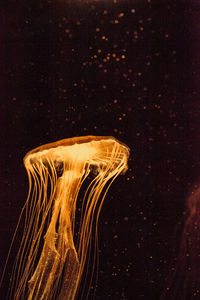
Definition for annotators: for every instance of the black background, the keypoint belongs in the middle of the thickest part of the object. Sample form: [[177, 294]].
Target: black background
[[130, 70]]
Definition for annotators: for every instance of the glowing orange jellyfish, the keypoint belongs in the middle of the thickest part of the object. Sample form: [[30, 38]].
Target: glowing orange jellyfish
[[184, 279], [53, 266]]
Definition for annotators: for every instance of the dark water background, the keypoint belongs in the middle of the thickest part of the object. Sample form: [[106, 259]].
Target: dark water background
[[128, 70]]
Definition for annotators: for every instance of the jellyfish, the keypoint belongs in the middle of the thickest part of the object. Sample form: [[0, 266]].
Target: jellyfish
[[183, 281], [49, 263]]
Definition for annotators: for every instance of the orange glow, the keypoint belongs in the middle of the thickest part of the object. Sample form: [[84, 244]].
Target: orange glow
[[49, 265]]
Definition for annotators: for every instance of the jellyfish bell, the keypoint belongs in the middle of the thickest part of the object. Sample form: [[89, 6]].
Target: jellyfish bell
[[183, 280], [49, 265]]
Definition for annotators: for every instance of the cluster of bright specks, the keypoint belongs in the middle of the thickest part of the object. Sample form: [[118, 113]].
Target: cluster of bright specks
[[107, 50]]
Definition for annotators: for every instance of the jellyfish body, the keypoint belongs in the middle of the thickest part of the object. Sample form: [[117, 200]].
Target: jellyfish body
[[48, 264], [183, 281]]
